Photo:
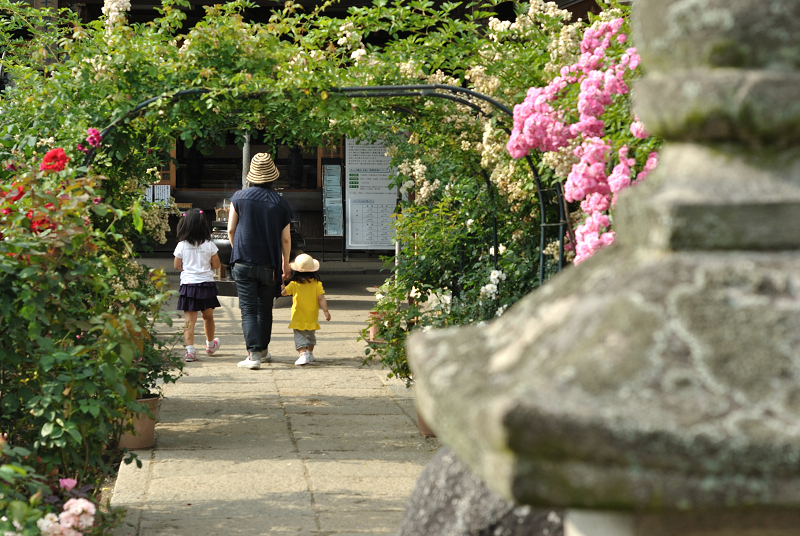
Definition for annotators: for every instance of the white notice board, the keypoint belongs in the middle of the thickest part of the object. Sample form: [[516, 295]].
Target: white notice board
[[370, 202], [157, 192]]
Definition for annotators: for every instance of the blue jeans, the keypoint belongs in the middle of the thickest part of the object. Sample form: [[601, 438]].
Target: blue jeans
[[255, 285]]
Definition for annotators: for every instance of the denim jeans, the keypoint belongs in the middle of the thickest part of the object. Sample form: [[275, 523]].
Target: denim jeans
[[255, 285]]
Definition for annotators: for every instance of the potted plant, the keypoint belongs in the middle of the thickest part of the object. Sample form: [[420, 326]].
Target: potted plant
[[154, 364]]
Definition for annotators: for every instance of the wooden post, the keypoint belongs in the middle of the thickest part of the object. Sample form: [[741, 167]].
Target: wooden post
[[245, 159]]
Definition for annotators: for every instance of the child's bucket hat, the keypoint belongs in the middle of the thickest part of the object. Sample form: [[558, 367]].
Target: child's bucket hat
[[304, 263]]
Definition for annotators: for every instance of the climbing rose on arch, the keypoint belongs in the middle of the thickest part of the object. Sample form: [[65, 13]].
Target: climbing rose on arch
[[94, 138], [550, 119]]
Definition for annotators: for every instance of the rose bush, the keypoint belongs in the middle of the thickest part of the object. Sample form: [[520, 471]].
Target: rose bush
[[77, 348], [32, 504]]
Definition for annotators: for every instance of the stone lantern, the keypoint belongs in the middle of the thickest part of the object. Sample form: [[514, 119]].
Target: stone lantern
[[655, 389]]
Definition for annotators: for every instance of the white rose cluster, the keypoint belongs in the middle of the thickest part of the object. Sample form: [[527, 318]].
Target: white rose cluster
[[426, 190], [496, 276], [483, 83], [561, 161], [350, 38], [564, 50], [509, 186], [411, 69], [537, 9], [115, 10], [496, 27], [358, 53], [489, 290]]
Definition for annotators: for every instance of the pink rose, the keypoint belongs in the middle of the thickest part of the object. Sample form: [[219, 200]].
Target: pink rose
[[67, 483]]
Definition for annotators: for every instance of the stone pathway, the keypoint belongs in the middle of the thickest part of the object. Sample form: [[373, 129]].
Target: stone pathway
[[326, 449]]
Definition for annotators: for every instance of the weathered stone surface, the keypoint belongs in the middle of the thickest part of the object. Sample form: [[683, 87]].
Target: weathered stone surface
[[720, 69], [673, 35], [754, 106], [743, 522], [661, 376], [449, 500], [715, 197], [641, 379]]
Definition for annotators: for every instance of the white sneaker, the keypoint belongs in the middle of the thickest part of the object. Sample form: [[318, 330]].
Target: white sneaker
[[310, 357], [211, 350], [266, 357], [303, 360], [252, 364]]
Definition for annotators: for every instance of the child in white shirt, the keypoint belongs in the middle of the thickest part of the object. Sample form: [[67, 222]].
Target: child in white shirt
[[195, 256]]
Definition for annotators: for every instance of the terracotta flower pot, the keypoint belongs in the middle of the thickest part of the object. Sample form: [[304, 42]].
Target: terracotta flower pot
[[143, 436], [375, 319]]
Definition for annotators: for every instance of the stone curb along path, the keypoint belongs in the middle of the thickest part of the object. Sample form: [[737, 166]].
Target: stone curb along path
[[330, 448]]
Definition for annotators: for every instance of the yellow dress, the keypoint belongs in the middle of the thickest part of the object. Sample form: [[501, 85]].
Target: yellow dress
[[305, 304]]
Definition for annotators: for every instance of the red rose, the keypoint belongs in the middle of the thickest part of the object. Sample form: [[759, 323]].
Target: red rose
[[54, 160], [14, 196], [39, 225]]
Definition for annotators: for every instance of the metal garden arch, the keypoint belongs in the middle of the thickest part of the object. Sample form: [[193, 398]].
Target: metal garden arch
[[441, 91]]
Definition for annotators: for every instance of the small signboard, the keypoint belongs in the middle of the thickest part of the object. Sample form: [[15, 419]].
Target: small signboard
[[157, 192], [332, 200], [370, 201]]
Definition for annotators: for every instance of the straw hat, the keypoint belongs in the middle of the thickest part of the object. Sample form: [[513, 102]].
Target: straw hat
[[304, 263], [262, 169]]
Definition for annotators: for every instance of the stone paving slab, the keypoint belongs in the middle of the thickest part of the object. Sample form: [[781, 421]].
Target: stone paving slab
[[328, 449]]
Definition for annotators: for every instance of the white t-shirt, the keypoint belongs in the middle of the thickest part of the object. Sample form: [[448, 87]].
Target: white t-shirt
[[196, 261]]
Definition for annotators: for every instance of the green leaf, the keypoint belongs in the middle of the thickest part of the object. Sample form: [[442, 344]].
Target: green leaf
[[75, 435], [47, 361], [27, 272], [136, 211], [18, 511], [47, 429]]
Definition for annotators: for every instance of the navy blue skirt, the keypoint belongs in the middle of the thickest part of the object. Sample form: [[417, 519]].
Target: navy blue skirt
[[198, 297]]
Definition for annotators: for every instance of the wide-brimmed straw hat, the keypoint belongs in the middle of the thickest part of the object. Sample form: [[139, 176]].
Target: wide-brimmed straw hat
[[304, 263], [262, 169]]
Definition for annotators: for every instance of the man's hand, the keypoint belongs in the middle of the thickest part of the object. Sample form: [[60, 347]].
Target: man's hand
[[327, 316]]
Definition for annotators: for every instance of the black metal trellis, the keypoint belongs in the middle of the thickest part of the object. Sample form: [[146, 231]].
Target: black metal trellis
[[430, 90], [421, 90]]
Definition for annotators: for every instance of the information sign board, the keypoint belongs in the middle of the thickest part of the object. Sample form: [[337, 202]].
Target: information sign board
[[370, 202], [332, 199], [157, 192]]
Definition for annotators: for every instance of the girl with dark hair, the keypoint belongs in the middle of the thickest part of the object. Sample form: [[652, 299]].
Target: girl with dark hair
[[195, 256]]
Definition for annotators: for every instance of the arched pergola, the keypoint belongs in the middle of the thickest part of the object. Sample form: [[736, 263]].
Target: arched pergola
[[441, 91]]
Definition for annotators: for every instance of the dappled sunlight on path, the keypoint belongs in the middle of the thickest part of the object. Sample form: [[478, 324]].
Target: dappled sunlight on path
[[330, 448]]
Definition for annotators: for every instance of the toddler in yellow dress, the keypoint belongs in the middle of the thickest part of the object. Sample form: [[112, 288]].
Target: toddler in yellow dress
[[308, 297]]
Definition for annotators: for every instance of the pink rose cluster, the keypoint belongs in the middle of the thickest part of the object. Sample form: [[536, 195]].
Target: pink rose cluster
[[540, 124], [77, 516], [94, 137]]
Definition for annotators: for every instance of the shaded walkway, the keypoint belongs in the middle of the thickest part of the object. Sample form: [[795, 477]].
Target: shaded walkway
[[330, 448]]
